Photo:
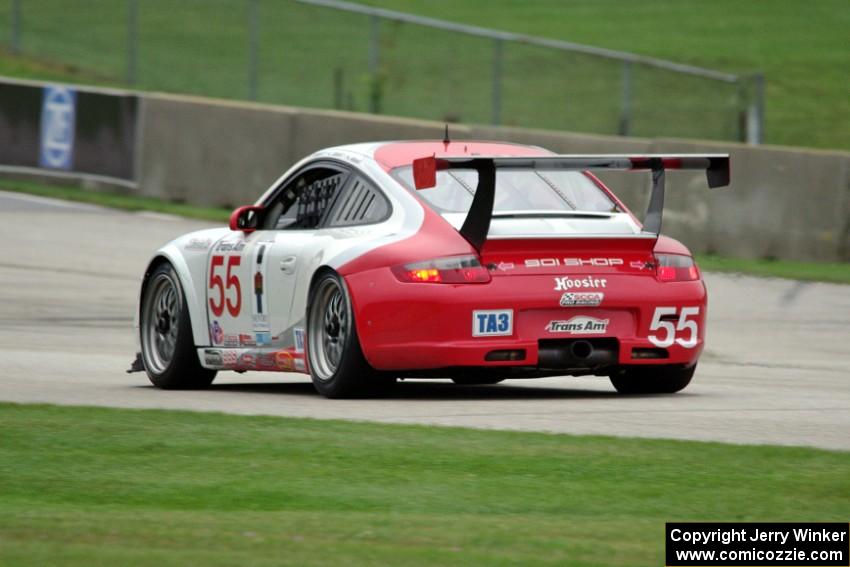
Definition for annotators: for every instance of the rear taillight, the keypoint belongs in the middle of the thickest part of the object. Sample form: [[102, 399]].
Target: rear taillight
[[454, 270], [675, 268]]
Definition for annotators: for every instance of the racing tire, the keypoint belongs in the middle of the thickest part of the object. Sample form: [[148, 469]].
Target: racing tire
[[168, 348], [337, 365], [652, 379]]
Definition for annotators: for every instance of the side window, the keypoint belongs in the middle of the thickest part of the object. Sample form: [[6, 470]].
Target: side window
[[305, 200], [359, 203]]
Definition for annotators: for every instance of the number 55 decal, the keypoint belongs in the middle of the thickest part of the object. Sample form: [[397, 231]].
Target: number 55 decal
[[661, 321], [232, 281]]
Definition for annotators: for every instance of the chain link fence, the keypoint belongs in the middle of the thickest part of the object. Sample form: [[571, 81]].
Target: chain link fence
[[332, 54]]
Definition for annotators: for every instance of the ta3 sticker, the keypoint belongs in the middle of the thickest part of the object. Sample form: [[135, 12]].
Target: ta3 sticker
[[492, 323]]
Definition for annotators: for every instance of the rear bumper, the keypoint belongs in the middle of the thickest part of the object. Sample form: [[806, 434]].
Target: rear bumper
[[413, 326]]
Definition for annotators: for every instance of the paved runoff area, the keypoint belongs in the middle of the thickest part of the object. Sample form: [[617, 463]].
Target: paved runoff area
[[776, 369]]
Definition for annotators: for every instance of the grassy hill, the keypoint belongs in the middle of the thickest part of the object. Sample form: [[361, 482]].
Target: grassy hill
[[802, 47], [89, 486], [315, 57]]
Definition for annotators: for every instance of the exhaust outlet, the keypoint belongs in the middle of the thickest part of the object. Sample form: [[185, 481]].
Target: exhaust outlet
[[588, 355], [581, 349]]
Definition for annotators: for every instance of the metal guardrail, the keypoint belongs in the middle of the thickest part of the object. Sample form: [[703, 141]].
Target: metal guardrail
[[531, 40], [752, 125]]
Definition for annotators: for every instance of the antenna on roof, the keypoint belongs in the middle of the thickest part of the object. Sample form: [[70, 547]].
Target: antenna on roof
[[446, 135]]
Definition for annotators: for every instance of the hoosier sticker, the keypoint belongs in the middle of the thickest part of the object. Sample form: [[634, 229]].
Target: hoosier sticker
[[567, 283], [580, 325]]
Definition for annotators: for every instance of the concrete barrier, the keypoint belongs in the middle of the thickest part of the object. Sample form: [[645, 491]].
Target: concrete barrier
[[210, 152], [788, 203], [224, 153], [315, 129]]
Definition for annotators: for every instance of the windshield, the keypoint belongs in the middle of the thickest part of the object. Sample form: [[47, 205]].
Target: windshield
[[516, 190]]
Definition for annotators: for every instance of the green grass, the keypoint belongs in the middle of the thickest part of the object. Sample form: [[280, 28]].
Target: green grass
[[116, 200], [832, 272], [810, 271], [31, 68], [800, 46], [201, 47], [86, 486]]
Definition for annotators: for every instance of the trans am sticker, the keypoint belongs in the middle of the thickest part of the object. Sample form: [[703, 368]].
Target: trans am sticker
[[579, 325], [230, 246]]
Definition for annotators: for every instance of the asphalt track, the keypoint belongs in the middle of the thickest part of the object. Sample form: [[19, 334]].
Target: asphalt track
[[776, 369]]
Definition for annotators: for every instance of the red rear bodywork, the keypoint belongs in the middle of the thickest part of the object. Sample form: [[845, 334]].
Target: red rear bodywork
[[606, 292]]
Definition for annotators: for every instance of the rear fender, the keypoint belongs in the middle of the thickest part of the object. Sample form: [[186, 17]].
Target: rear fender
[[667, 245]]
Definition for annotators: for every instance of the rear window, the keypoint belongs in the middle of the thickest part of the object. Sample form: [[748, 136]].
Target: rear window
[[516, 190]]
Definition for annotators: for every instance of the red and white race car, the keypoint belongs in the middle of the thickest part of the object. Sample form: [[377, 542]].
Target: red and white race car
[[474, 261]]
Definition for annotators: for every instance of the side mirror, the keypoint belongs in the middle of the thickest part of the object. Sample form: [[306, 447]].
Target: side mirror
[[246, 218]]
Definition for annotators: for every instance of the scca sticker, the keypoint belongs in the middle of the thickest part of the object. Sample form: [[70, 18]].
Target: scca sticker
[[492, 323], [581, 299]]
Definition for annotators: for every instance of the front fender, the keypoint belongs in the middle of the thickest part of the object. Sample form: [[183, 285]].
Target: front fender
[[189, 256]]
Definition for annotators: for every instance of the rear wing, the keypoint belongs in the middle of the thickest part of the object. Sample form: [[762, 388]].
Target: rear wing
[[477, 223]]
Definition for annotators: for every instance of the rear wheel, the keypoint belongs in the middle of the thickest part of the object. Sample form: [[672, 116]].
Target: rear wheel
[[337, 365], [652, 379], [168, 349]]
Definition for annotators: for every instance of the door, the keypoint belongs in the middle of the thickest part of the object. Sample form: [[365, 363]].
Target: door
[[293, 216]]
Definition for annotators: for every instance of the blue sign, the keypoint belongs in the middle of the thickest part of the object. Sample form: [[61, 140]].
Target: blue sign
[[58, 109]]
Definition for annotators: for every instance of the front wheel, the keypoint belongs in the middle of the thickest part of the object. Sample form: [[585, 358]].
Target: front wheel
[[652, 379], [337, 365], [168, 348]]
